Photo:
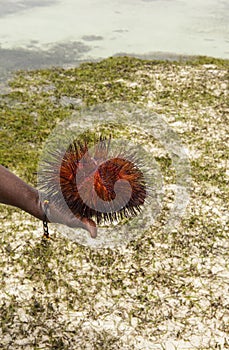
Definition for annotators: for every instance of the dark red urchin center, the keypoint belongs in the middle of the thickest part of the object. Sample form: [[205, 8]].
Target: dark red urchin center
[[88, 184]]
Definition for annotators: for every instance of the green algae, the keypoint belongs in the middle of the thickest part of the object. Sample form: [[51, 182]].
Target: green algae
[[161, 282], [33, 107]]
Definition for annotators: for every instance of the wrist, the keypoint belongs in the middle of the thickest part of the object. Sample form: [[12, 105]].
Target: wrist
[[39, 210]]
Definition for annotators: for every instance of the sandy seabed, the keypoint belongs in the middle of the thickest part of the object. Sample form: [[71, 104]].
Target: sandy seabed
[[165, 290]]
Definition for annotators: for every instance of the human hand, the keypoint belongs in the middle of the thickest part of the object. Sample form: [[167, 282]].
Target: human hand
[[56, 215]]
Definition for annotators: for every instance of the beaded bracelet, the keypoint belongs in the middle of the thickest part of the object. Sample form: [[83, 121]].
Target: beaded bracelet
[[45, 222]]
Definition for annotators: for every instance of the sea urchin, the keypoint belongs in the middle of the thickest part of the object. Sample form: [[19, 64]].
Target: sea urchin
[[93, 183]]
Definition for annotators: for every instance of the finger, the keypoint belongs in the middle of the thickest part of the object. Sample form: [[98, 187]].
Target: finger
[[90, 226]]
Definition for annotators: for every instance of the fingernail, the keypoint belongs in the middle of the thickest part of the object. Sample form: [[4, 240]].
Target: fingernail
[[93, 232]]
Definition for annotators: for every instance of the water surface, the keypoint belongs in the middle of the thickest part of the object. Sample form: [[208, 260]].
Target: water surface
[[35, 33]]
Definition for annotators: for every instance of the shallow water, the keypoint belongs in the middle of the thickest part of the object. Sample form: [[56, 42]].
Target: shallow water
[[34, 33]]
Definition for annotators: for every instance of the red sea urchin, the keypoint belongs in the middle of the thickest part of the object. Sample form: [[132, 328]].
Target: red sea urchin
[[94, 185]]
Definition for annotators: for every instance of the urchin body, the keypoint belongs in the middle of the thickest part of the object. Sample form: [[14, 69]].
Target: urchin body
[[93, 185]]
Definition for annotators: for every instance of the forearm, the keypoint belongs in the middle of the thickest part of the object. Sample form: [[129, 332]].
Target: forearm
[[15, 192]]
